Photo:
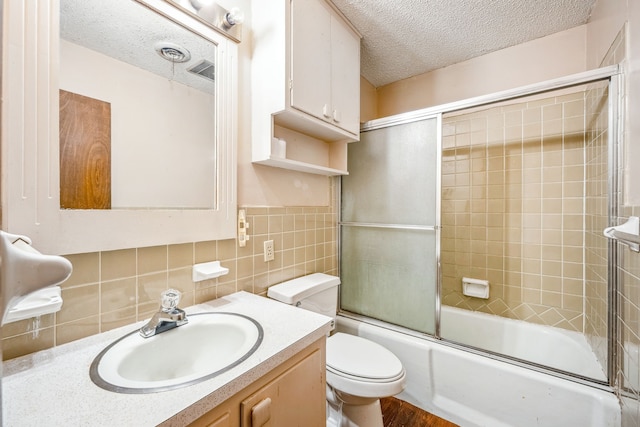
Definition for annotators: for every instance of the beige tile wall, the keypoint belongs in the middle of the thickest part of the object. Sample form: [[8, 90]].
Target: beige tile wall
[[116, 288], [629, 315], [513, 209], [628, 272], [596, 219]]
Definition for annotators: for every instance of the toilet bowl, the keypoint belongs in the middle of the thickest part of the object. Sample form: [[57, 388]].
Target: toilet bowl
[[359, 371]]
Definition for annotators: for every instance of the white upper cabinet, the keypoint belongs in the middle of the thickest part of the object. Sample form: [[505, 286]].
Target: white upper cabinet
[[305, 86], [345, 77], [325, 64]]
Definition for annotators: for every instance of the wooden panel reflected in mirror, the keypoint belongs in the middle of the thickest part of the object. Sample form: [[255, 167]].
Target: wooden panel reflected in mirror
[[85, 152]]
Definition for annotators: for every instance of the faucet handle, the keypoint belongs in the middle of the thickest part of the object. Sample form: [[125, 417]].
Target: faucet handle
[[170, 299]]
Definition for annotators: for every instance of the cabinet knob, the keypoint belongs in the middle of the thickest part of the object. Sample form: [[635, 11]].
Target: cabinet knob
[[326, 111], [337, 116], [261, 413]]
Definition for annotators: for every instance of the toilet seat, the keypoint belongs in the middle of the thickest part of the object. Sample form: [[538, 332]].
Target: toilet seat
[[361, 367]]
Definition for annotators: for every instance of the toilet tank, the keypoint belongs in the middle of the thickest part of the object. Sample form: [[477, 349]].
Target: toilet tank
[[316, 292]]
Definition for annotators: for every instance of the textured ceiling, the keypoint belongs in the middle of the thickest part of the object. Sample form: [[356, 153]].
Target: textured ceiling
[[404, 38], [128, 32]]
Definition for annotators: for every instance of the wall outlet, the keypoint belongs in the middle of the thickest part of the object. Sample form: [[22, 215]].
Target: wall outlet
[[268, 250]]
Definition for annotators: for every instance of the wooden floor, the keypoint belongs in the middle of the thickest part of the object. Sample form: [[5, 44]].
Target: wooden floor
[[398, 413]]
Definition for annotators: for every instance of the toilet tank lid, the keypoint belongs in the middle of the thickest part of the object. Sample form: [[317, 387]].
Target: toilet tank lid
[[302, 287]]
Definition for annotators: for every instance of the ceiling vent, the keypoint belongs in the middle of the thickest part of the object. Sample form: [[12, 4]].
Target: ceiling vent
[[204, 69], [172, 52]]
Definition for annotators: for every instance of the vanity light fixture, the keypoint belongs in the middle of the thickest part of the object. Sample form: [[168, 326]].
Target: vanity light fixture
[[227, 22], [234, 17]]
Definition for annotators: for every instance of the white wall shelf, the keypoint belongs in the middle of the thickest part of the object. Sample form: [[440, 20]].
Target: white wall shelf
[[301, 166]]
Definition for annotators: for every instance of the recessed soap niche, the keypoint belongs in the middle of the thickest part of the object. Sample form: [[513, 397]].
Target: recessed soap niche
[[476, 288]]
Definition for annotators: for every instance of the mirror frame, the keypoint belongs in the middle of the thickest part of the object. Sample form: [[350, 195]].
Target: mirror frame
[[30, 145]]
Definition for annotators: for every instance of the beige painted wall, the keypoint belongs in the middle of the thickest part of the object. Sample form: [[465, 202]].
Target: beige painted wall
[[553, 56], [607, 19], [368, 101], [605, 22]]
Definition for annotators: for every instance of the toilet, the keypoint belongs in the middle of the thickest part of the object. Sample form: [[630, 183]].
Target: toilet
[[359, 371]]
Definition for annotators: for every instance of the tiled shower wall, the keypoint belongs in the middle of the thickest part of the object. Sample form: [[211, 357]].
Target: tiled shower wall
[[628, 342], [513, 209], [596, 220], [628, 295], [112, 289]]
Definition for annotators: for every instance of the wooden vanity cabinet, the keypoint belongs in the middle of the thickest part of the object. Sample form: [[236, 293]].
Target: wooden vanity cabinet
[[305, 85], [292, 394]]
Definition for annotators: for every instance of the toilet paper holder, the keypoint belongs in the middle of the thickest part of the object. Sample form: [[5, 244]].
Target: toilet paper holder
[[25, 273]]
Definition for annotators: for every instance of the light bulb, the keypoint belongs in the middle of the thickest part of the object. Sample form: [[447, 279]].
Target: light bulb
[[234, 17]]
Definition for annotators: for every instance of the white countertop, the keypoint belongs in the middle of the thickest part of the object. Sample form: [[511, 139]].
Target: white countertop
[[53, 388]]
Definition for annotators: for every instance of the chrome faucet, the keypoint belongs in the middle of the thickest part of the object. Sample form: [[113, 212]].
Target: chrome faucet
[[168, 317]]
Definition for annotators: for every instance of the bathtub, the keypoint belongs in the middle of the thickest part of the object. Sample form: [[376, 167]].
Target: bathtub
[[473, 390], [544, 345]]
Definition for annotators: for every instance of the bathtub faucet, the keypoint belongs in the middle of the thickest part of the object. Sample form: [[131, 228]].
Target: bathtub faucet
[[169, 316]]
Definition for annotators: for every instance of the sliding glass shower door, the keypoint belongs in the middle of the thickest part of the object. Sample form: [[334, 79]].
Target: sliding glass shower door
[[508, 191], [389, 225]]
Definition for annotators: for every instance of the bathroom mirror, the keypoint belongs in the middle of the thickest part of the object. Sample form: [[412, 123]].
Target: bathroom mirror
[[137, 109], [192, 136]]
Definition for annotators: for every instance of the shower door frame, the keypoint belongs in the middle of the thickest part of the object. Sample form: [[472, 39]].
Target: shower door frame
[[615, 112]]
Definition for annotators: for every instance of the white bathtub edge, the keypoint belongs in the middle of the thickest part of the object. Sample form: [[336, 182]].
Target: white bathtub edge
[[476, 391]]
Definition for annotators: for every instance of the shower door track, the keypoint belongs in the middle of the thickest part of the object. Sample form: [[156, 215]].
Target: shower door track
[[536, 88], [611, 73]]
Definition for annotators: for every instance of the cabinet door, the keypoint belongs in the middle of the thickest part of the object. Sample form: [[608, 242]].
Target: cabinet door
[[297, 398], [345, 77], [222, 416], [223, 421], [311, 58]]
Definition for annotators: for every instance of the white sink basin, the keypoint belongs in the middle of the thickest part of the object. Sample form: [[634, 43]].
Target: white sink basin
[[211, 343]]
